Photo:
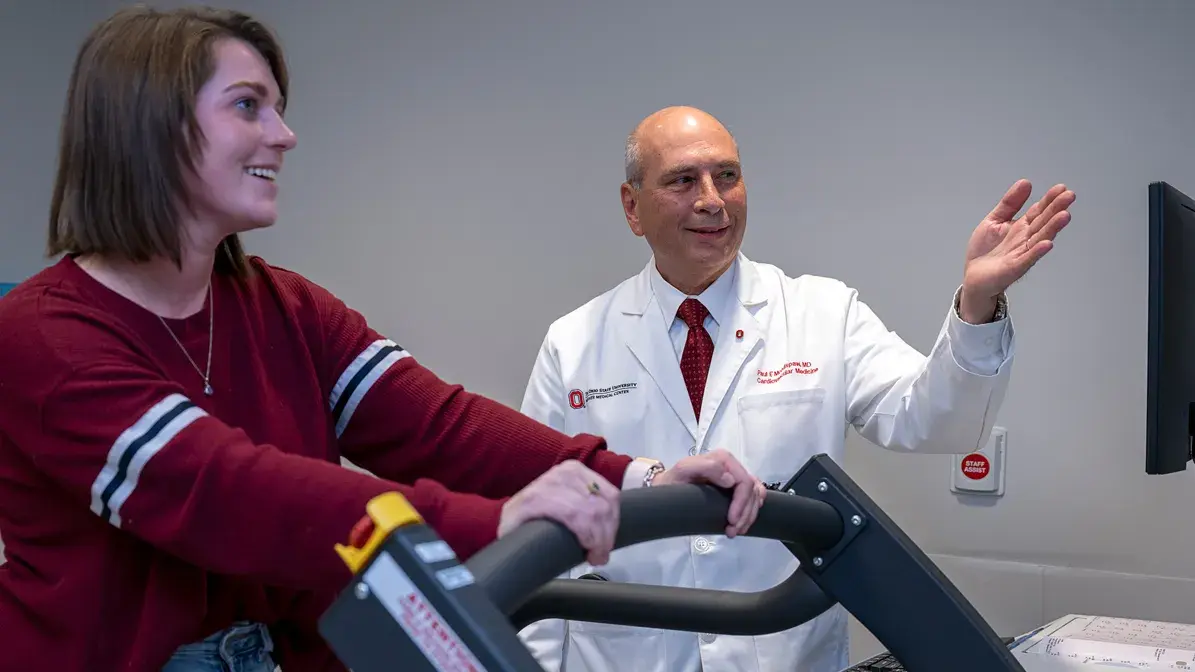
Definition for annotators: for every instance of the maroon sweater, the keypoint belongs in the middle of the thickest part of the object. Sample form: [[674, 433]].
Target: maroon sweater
[[139, 514]]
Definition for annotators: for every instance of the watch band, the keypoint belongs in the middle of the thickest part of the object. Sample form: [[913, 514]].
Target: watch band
[[1001, 306], [654, 467], [652, 471]]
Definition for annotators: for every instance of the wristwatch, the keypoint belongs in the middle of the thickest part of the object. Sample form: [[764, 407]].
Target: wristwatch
[[653, 469], [1001, 306]]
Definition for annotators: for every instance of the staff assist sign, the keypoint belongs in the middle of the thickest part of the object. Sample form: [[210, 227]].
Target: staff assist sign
[[981, 472]]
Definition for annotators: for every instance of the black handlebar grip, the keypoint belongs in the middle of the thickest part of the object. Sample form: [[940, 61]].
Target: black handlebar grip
[[513, 568], [794, 601]]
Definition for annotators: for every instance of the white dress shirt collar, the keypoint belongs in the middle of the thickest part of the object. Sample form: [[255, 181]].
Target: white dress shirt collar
[[716, 298]]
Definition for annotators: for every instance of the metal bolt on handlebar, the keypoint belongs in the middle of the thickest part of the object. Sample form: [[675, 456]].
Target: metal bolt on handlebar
[[856, 520], [817, 562], [361, 591], [822, 487]]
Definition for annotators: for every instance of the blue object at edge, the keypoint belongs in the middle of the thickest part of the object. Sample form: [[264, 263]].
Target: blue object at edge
[[6, 286]]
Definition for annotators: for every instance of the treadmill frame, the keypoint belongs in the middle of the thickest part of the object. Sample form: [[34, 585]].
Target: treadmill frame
[[871, 568]]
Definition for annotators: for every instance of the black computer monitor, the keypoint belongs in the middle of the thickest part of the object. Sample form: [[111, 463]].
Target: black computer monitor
[[1170, 395]]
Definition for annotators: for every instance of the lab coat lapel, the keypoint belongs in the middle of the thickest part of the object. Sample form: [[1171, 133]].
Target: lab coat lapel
[[648, 340], [731, 350]]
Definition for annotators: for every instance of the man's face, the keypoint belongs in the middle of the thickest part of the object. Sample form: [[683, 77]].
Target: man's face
[[692, 204]]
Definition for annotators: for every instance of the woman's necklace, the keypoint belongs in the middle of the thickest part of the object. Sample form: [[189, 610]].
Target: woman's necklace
[[207, 375]]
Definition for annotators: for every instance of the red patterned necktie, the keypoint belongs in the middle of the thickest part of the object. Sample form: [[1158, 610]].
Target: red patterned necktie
[[699, 350]]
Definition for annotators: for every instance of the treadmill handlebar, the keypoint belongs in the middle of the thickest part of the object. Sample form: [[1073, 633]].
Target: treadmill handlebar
[[851, 553], [794, 601], [514, 567]]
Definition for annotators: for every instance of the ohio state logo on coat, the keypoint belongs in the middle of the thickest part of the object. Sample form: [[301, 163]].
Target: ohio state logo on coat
[[578, 399]]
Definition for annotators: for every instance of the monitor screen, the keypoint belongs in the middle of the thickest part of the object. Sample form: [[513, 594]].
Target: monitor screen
[[1170, 392]]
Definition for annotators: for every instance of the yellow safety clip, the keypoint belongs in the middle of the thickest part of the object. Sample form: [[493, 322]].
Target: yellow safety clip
[[388, 512]]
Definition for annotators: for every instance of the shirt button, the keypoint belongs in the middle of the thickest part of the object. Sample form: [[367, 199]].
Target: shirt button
[[702, 545], [708, 637], [693, 450]]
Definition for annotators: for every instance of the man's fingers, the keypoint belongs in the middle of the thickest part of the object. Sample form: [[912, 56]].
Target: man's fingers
[[722, 469], [1012, 202], [761, 495], [752, 500], [732, 466], [1044, 202], [739, 504], [1048, 224], [742, 492], [1032, 254], [711, 470], [758, 492], [1055, 207], [1051, 228], [1057, 204], [742, 500], [1036, 209]]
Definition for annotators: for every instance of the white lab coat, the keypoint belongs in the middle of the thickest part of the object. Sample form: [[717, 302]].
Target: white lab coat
[[843, 368]]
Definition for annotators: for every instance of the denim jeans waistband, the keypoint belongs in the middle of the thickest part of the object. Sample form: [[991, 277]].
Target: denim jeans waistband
[[227, 649]]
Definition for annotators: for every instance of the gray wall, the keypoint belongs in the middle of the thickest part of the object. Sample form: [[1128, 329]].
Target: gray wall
[[485, 143], [38, 40]]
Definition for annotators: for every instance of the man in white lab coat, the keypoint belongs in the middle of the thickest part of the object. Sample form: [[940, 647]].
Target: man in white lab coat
[[707, 349]]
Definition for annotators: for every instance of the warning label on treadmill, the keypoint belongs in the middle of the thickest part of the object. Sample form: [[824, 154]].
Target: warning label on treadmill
[[423, 624]]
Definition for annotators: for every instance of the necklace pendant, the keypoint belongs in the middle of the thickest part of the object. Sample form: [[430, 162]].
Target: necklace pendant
[[207, 389]]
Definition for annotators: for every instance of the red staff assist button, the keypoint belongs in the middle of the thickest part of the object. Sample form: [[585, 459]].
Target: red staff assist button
[[976, 466]]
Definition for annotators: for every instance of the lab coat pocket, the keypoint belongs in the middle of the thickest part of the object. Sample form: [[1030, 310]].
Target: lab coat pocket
[[597, 646], [632, 565], [600, 648], [780, 431]]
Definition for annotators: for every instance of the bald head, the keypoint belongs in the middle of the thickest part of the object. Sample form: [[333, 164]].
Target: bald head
[[686, 195], [669, 128]]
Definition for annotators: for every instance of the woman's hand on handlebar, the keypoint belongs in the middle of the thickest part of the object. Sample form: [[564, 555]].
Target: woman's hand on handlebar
[[575, 496], [720, 468]]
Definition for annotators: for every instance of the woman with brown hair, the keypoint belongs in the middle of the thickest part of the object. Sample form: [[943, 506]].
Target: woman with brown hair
[[173, 411]]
